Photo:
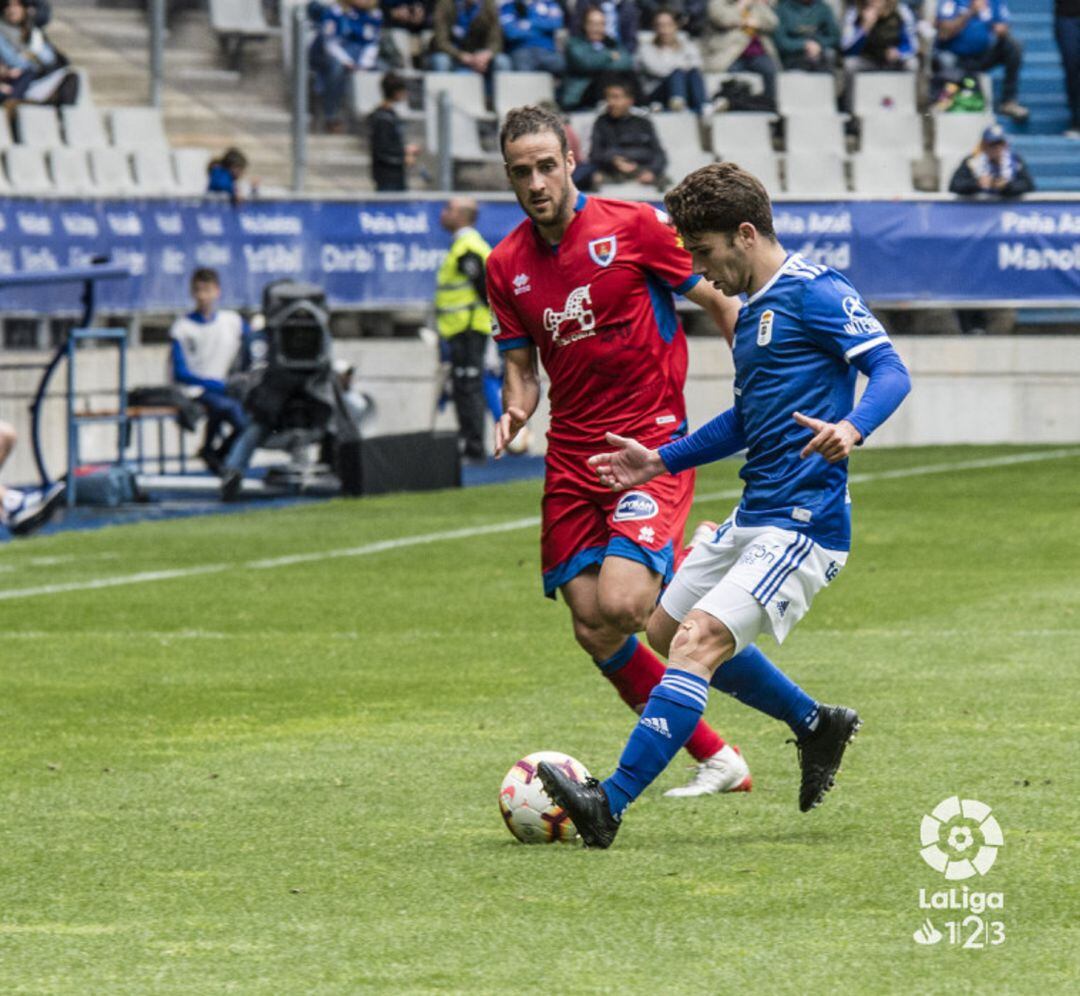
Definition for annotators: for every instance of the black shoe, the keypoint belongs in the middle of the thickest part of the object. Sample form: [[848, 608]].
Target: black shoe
[[232, 483], [586, 805], [35, 510], [820, 752]]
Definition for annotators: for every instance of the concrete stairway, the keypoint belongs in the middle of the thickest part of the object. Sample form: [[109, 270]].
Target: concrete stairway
[[1054, 160], [205, 103]]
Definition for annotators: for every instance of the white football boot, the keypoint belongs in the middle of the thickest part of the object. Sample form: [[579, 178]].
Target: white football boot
[[725, 771]]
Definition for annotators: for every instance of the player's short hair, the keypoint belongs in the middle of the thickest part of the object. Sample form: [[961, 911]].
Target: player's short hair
[[719, 198], [393, 84], [204, 275], [531, 120]]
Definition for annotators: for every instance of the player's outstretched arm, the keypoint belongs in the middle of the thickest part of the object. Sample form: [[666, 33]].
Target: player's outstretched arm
[[629, 465], [520, 396], [723, 310]]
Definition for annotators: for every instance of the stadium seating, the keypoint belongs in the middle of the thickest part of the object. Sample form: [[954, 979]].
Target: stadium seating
[[71, 171], [6, 138], [237, 22], [111, 171], [83, 127], [815, 173], [902, 133], [765, 165], [877, 92], [466, 91], [881, 174], [807, 133], [734, 135], [582, 123], [154, 172], [515, 89], [26, 170], [137, 128], [805, 93], [38, 126], [190, 165]]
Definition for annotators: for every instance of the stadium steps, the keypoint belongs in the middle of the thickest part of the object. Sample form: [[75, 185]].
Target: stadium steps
[[205, 104], [1054, 161]]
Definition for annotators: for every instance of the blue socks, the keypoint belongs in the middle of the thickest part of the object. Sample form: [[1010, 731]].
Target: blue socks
[[752, 678], [673, 710]]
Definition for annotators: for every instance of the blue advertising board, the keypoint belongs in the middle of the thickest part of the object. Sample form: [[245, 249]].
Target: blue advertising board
[[370, 254]]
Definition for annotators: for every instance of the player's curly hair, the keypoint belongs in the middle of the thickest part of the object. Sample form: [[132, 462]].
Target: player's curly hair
[[530, 120], [719, 198]]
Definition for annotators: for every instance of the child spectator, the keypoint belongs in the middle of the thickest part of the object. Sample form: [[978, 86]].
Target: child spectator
[[973, 36], [349, 40], [624, 143], [671, 65], [741, 40], [807, 36], [32, 70], [879, 35], [390, 155], [529, 28], [591, 57], [225, 176]]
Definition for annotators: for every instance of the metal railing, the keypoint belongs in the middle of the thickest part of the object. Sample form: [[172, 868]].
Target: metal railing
[[156, 13], [300, 112]]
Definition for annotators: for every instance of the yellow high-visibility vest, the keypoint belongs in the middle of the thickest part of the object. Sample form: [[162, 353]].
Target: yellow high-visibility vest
[[458, 308]]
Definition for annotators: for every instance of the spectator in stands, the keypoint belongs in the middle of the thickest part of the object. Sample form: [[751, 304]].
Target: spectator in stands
[[24, 511], [624, 143], [690, 15], [622, 20], [32, 70], [879, 35], [973, 36], [226, 176], [208, 344], [468, 38], [741, 40], [592, 57], [412, 15], [807, 36], [992, 171], [1067, 33], [391, 155], [349, 40], [529, 28], [671, 65]]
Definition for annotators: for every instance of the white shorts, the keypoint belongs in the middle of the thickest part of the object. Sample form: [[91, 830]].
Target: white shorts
[[752, 579]]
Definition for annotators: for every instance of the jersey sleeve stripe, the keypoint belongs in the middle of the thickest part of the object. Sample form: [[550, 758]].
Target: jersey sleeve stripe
[[865, 347], [688, 284], [507, 344]]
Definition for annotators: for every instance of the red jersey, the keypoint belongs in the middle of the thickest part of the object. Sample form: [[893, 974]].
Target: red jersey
[[599, 309]]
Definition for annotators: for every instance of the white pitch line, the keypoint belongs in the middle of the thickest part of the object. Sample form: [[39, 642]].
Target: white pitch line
[[490, 529]]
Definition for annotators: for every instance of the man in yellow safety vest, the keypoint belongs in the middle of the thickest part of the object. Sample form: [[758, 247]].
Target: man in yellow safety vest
[[464, 319]]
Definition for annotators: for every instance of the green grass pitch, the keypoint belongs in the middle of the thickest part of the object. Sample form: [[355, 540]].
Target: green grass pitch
[[284, 779]]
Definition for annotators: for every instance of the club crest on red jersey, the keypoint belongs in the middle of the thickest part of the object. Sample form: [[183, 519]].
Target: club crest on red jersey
[[603, 250]]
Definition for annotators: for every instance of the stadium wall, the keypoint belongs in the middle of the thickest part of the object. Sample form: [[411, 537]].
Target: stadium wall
[[967, 390]]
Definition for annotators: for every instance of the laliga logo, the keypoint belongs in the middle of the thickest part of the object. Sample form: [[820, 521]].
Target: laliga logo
[[949, 835]]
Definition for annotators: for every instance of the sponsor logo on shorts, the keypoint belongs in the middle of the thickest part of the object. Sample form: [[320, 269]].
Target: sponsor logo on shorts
[[646, 535], [759, 553], [635, 505], [831, 571]]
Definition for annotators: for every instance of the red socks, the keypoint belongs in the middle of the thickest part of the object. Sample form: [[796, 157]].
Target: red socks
[[635, 670]]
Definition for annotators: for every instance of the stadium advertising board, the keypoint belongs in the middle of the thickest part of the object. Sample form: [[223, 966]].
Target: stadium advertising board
[[385, 253]]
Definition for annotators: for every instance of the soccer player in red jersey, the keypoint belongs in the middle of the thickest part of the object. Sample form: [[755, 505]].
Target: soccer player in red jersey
[[587, 283]]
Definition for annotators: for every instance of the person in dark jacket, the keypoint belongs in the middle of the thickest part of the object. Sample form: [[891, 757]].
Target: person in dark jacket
[[592, 56], [807, 36], [624, 143], [468, 38], [993, 169], [390, 155]]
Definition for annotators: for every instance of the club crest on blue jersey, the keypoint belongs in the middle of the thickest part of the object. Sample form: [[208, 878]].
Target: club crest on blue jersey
[[635, 505], [860, 321], [764, 329], [603, 250]]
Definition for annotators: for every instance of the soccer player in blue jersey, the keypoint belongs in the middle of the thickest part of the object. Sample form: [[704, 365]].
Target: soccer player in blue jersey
[[800, 339]]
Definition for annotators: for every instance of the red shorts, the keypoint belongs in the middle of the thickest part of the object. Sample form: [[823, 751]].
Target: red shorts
[[584, 522]]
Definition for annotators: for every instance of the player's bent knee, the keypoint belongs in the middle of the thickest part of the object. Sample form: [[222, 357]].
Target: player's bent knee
[[701, 640], [660, 631]]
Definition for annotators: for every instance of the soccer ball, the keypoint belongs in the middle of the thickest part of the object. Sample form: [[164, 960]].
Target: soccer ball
[[530, 815]]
